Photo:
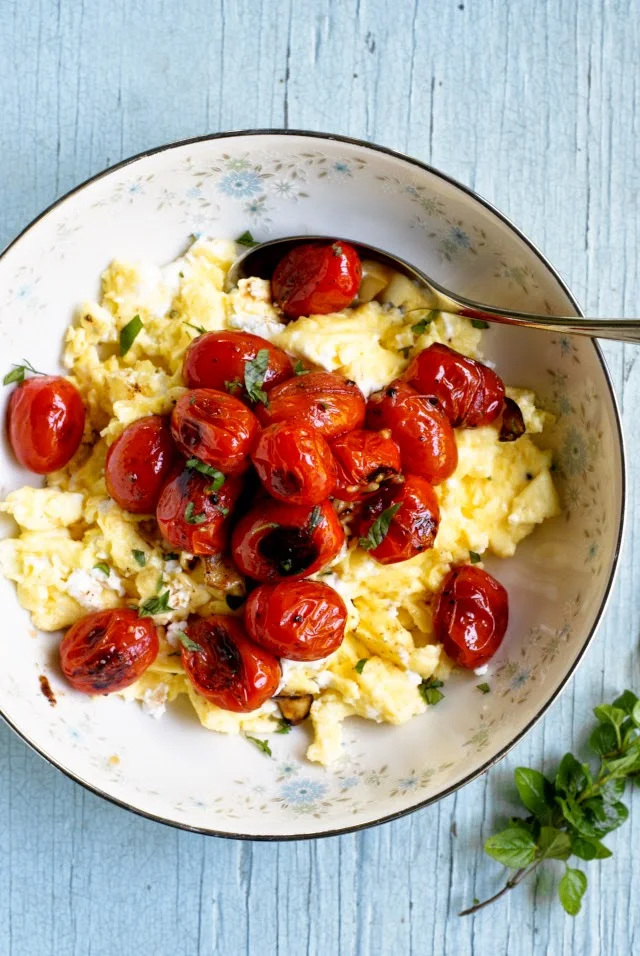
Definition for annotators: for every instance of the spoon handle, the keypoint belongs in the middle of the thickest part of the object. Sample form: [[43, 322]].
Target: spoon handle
[[620, 330]]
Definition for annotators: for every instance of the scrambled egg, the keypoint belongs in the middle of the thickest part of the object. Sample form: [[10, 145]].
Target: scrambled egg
[[77, 551]]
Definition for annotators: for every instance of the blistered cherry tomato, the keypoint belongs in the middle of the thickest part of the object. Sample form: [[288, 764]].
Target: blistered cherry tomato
[[106, 651], [317, 278], [365, 461], [275, 541], [216, 428], [294, 463], [420, 429], [412, 528], [299, 620], [323, 400], [193, 518], [45, 423], [217, 360], [470, 393], [139, 463], [470, 616], [229, 669]]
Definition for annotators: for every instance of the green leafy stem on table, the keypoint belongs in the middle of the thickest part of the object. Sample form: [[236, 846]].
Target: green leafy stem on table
[[569, 815]]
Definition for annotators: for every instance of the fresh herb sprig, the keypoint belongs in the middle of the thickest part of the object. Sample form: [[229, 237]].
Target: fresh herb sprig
[[18, 372], [379, 529], [569, 815], [218, 478], [254, 375]]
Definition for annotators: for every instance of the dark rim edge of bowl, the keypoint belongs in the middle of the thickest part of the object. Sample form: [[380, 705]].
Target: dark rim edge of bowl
[[621, 525]]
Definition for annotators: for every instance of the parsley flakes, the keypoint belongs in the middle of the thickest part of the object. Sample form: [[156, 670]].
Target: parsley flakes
[[129, 334], [155, 605], [380, 527]]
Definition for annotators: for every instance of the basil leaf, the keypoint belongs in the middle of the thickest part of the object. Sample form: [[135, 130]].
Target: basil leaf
[[422, 325], [429, 691], [299, 368], [233, 385], [139, 557], [479, 324], [536, 792], [608, 713], [484, 688], [102, 567], [218, 478], [155, 605], [246, 239], [380, 527], [513, 847], [18, 373], [187, 643], [198, 328], [474, 557], [260, 744], [129, 334], [284, 728], [314, 518], [254, 373], [588, 848], [571, 889], [603, 739], [626, 701], [571, 777], [554, 844], [192, 518], [359, 667]]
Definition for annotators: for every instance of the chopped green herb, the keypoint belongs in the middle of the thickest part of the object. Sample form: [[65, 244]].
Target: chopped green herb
[[479, 324], [159, 584], [192, 518], [406, 351], [223, 511], [378, 530], [284, 728], [254, 373], [139, 557], [198, 328], [171, 556], [422, 325], [314, 518], [102, 567], [484, 688], [18, 373], [129, 334], [359, 667], [234, 601], [218, 478], [299, 368], [260, 744], [474, 557], [155, 605], [181, 274], [233, 385], [429, 690], [187, 643], [286, 565], [246, 239]]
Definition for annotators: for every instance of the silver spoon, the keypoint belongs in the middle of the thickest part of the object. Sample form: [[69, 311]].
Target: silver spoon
[[262, 259]]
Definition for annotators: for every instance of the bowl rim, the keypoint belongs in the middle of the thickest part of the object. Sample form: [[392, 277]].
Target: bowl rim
[[615, 561]]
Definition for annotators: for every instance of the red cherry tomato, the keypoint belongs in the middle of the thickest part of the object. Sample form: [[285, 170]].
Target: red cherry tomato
[[45, 423], [294, 463], [229, 670], [216, 428], [217, 360], [191, 517], [274, 541], [138, 464], [413, 526], [106, 651], [419, 428], [470, 393], [317, 278], [300, 620], [470, 616], [365, 461], [322, 400]]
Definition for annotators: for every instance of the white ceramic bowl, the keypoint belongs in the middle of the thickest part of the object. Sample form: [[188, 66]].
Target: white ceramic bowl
[[278, 183]]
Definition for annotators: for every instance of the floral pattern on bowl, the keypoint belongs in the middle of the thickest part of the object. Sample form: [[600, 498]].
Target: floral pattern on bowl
[[283, 184]]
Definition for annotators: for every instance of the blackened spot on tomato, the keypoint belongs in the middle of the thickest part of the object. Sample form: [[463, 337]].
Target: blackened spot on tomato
[[290, 550], [391, 392], [432, 399], [285, 482], [298, 619], [94, 635], [190, 433]]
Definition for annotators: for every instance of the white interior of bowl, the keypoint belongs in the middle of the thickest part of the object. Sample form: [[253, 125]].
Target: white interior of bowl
[[276, 184]]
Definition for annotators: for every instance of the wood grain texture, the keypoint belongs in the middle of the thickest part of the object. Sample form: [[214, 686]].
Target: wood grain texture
[[534, 105]]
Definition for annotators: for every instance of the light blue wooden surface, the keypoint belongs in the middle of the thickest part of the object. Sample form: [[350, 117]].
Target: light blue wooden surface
[[531, 103]]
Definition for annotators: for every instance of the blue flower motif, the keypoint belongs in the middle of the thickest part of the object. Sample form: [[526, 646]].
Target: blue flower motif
[[592, 550], [520, 679], [460, 238], [574, 453], [24, 291], [342, 167], [350, 782], [565, 345], [408, 783], [134, 188], [303, 791], [241, 183], [564, 405], [288, 769], [194, 192], [411, 190]]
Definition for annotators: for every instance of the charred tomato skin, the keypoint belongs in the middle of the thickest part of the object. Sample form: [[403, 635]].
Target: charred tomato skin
[[107, 651], [323, 400], [45, 422], [470, 616], [230, 670], [299, 620], [294, 463], [188, 487], [363, 458], [216, 428], [277, 542], [139, 463], [414, 526], [470, 394], [419, 427], [217, 360], [316, 279]]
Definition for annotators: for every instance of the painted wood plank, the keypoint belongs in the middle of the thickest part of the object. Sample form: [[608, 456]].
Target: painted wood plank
[[533, 105]]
